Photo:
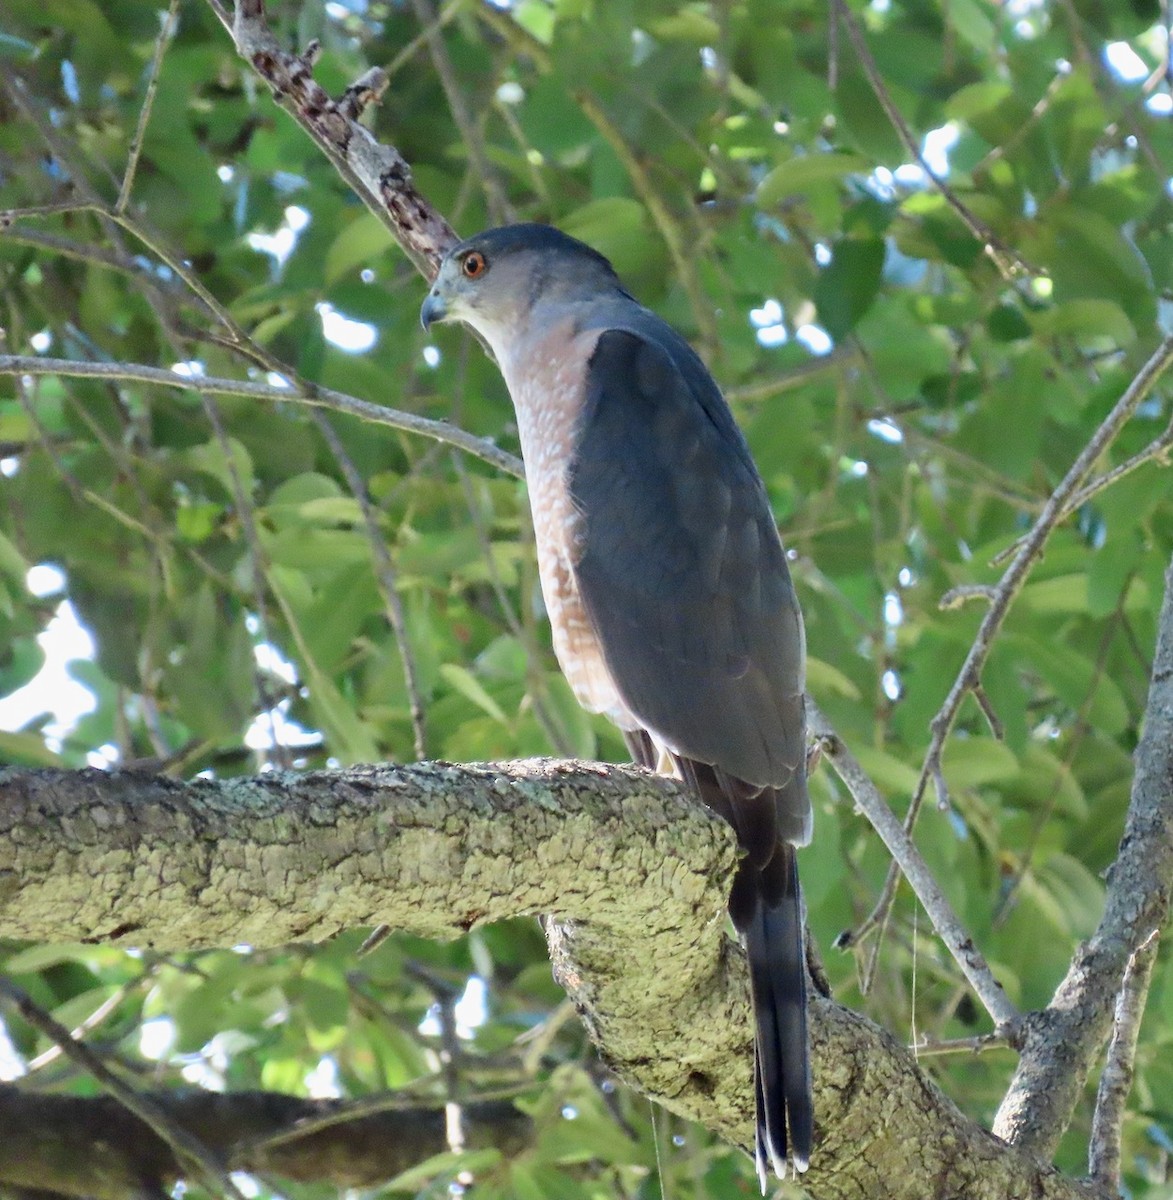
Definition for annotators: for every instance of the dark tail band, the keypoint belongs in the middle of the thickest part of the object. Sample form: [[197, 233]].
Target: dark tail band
[[766, 906]]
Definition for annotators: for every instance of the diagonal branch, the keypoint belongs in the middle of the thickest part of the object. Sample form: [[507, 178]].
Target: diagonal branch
[[1009, 263], [1015, 575], [1061, 1042], [378, 173], [1116, 1081], [906, 856]]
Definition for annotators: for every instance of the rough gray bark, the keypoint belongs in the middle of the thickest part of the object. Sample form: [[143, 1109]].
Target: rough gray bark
[[1062, 1042], [634, 874]]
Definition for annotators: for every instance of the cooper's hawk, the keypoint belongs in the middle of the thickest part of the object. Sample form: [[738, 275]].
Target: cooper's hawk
[[666, 585]]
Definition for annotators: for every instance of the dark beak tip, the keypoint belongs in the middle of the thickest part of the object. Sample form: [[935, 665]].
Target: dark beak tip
[[431, 311]]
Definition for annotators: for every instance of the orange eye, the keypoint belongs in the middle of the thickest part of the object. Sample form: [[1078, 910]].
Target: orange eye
[[474, 265]]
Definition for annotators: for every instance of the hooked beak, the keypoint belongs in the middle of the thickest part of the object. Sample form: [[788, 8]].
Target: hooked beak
[[434, 309]]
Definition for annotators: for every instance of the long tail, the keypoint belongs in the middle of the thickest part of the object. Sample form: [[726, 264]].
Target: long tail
[[767, 909], [766, 906]]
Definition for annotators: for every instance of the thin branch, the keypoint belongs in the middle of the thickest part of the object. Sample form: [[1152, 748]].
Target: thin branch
[[927, 1048], [1008, 262], [945, 921], [683, 254], [1116, 1081], [324, 397], [501, 209], [66, 247], [138, 229], [1001, 597], [386, 577], [958, 596], [1012, 581], [166, 32], [187, 1148], [412, 48], [1158, 451], [766, 389], [90, 1023]]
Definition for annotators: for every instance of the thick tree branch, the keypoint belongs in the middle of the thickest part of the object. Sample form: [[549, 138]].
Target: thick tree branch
[[188, 1150], [95, 1148], [635, 873], [1061, 1043]]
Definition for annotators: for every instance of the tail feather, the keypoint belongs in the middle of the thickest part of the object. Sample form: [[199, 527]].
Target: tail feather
[[766, 906], [769, 916]]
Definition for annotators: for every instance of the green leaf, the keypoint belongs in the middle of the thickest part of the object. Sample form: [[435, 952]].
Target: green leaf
[[889, 774], [975, 761], [211, 459], [26, 749], [470, 687], [690, 23], [12, 562], [824, 679], [848, 285], [796, 175], [617, 227], [1062, 594], [1087, 319], [1076, 680], [444, 1166], [358, 244]]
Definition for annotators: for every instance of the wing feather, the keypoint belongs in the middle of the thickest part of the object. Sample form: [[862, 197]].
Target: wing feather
[[680, 567]]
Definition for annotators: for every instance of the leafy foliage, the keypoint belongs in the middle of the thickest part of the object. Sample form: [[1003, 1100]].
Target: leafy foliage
[[910, 405]]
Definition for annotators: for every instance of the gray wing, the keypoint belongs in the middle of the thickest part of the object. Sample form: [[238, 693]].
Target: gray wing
[[680, 569]]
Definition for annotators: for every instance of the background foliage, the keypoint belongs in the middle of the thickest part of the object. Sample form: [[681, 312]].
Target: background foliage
[[909, 404]]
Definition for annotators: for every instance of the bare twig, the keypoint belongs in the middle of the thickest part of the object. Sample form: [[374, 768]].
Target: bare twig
[[683, 254], [441, 431], [927, 1048], [955, 597], [90, 1023], [1009, 263], [945, 921], [387, 579], [500, 207], [1156, 451], [66, 247], [1002, 596], [766, 389], [187, 1148], [166, 32], [1116, 1081], [1012, 581]]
